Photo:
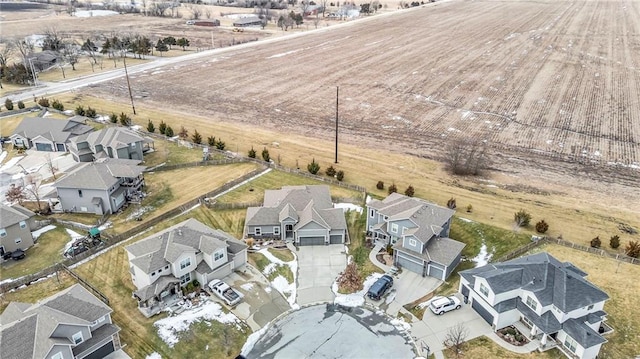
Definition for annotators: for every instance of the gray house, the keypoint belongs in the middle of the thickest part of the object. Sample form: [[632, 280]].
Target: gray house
[[247, 21], [70, 324], [48, 134], [545, 299], [418, 231], [303, 214], [162, 263], [111, 142], [100, 187], [16, 224]]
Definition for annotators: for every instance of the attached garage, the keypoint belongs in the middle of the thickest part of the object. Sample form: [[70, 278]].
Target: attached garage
[[409, 264], [336, 239], [102, 352], [44, 147], [465, 292], [484, 313], [311, 241], [436, 272]]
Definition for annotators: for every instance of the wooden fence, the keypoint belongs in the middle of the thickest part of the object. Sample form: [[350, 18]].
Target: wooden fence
[[86, 284]]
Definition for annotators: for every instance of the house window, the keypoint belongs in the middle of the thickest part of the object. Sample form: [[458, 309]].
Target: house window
[[531, 303], [393, 239], [80, 193], [484, 290], [590, 307], [394, 227], [57, 355], [276, 231], [258, 231], [412, 242], [218, 255], [185, 263], [570, 344], [372, 213], [23, 224], [18, 241], [77, 338], [3, 232], [185, 279]]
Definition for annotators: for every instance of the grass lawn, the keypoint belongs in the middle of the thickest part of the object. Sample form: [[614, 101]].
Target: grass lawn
[[356, 223], [254, 191], [10, 123], [37, 291], [284, 255], [171, 152], [83, 68], [483, 347], [259, 261], [43, 254]]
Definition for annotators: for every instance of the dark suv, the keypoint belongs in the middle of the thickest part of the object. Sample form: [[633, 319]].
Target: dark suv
[[380, 287]]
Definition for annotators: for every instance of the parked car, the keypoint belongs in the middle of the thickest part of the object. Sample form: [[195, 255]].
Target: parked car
[[380, 287], [442, 305], [225, 292]]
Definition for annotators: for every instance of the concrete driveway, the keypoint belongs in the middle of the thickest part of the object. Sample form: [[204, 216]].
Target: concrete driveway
[[318, 267], [432, 329], [409, 287]]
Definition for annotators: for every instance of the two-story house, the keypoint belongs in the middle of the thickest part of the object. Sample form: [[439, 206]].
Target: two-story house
[[48, 134], [16, 224], [552, 299], [164, 262], [418, 232], [110, 142], [100, 187], [72, 324], [302, 214]]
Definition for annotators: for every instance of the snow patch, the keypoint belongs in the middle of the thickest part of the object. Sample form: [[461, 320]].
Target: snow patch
[[348, 207], [252, 340], [247, 286], [36, 234], [282, 54], [280, 283], [154, 355], [90, 13], [483, 257], [10, 163], [354, 299], [465, 220], [401, 325]]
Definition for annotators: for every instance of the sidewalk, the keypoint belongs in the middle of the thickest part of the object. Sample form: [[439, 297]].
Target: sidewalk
[[525, 349], [375, 261]]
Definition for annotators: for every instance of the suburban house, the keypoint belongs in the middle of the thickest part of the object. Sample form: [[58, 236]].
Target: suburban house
[[164, 262], [418, 232], [70, 324], [547, 300], [100, 187], [111, 142], [16, 224], [302, 214], [48, 134]]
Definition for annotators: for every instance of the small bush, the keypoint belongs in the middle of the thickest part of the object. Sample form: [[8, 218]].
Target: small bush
[[409, 192], [211, 140], [113, 118], [125, 120], [162, 127], [151, 127], [91, 112], [522, 218], [451, 203], [596, 242], [542, 226], [392, 189], [57, 105], [44, 102], [265, 155], [614, 242], [313, 167], [380, 185], [331, 172], [168, 131], [196, 137], [79, 110], [8, 104], [633, 249], [220, 145], [252, 153], [340, 175], [20, 105], [469, 208]]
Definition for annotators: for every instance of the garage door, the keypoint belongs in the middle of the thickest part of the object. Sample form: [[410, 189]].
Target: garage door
[[44, 147], [102, 352], [409, 265], [465, 291], [311, 241], [335, 239], [436, 272], [483, 312]]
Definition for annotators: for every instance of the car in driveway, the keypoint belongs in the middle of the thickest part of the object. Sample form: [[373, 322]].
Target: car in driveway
[[442, 305], [380, 287]]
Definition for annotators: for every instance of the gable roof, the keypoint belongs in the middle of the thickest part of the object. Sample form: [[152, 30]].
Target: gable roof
[[113, 137], [52, 129], [444, 250], [10, 215], [550, 281], [27, 328], [163, 248], [100, 175]]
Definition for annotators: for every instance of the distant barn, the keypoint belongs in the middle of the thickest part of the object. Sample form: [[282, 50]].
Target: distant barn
[[248, 21], [207, 23]]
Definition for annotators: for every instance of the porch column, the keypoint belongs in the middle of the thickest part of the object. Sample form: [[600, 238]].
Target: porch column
[[543, 341], [533, 331]]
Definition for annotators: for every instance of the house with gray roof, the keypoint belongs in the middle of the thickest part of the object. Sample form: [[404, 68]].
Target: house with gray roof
[[70, 324], [302, 214], [166, 261], [247, 21], [48, 134], [110, 142], [100, 187], [418, 232], [16, 224], [550, 300]]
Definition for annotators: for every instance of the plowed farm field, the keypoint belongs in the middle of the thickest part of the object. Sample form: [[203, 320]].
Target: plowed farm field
[[556, 78]]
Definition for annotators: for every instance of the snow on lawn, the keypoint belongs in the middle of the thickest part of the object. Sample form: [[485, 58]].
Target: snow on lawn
[[154, 355], [252, 340], [10, 163], [168, 328], [91, 13], [74, 236], [354, 299], [483, 257], [3, 155], [348, 207], [36, 234], [280, 283], [401, 325]]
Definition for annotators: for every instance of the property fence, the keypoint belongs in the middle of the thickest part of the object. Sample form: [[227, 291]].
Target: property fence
[[85, 284], [601, 252], [225, 206]]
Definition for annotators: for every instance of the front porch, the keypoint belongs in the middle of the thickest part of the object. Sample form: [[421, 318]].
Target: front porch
[[162, 294], [542, 340]]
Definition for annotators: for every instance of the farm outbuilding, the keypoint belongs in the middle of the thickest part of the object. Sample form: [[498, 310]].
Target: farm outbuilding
[[248, 21], [207, 22]]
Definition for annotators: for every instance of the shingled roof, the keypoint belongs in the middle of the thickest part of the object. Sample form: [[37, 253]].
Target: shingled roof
[[10, 215], [102, 174], [52, 129]]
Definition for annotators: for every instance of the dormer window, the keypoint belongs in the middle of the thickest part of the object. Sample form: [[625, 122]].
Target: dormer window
[[77, 338], [218, 255], [531, 303], [484, 290], [185, 263], [372, 213]]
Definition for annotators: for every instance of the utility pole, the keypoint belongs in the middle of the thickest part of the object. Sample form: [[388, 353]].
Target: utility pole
[[126, 74], [337, 93]]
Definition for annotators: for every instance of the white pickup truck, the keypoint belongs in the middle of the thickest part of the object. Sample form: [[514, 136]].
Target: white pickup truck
[[225, 292]]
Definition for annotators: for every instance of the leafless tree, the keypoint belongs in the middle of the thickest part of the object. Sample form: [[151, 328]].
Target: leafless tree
[[52, 168], [455, 338], [466, 157], [70, 54], [316, 21], [32, 188], [24, 47], [324, 3], [15, 194], [207, 13], [5, 52], [144, 7], [196, 12], [54, 40]]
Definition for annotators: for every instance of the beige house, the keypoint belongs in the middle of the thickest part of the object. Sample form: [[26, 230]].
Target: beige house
[[16, 224]]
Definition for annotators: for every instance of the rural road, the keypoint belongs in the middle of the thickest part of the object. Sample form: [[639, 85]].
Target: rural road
[[50, 88]]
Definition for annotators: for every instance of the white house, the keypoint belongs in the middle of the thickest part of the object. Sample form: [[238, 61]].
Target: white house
[[551, 299]]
